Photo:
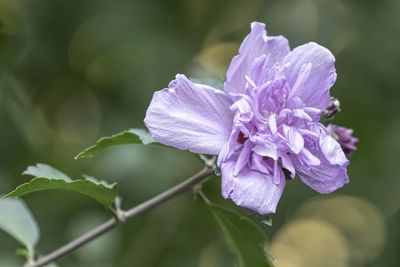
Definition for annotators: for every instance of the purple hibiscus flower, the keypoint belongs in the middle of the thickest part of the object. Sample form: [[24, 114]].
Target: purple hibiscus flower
[[266, 120]]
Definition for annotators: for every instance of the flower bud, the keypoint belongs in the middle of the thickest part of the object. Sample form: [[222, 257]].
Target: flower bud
[[332, 109]]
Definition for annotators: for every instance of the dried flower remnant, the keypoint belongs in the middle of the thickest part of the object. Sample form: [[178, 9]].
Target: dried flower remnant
[[265, 122]]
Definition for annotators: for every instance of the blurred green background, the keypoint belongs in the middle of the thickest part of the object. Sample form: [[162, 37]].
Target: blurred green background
[[72, 71]]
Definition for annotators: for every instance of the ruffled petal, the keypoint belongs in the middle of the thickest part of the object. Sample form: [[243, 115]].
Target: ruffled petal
[[332, 150], [190, 116], [331, 173], [243, 158], [255, 45], [288, 165], [310, 71], [324, 178], [294, 139], [307, 158], [251, 189], [266, 149]]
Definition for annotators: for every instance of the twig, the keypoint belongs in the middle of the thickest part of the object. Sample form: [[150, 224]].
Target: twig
[[123, 218]]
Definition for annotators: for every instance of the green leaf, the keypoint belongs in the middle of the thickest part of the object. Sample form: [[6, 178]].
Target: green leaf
[[46, 171], [100, 191], [244, 237], [132, 136], [17, 221], [49, 178]]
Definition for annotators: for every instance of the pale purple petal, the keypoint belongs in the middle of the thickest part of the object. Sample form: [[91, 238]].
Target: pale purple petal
[[266, 149], [294, 139], [272, 123], [190, 116], [331, 173], [307, 158], [302, 114], [256, 44], [332, 150], [251, 189], [258, 164], [324, 178], [230, 147], [243, 110], [310, 70], [288, 165], [243, 158], [278, 174]]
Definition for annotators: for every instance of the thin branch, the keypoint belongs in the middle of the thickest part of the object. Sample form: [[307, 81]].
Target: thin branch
[[123, 218]]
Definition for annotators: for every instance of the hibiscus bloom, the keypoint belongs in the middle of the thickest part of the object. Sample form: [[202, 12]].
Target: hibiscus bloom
[[264, 124]]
